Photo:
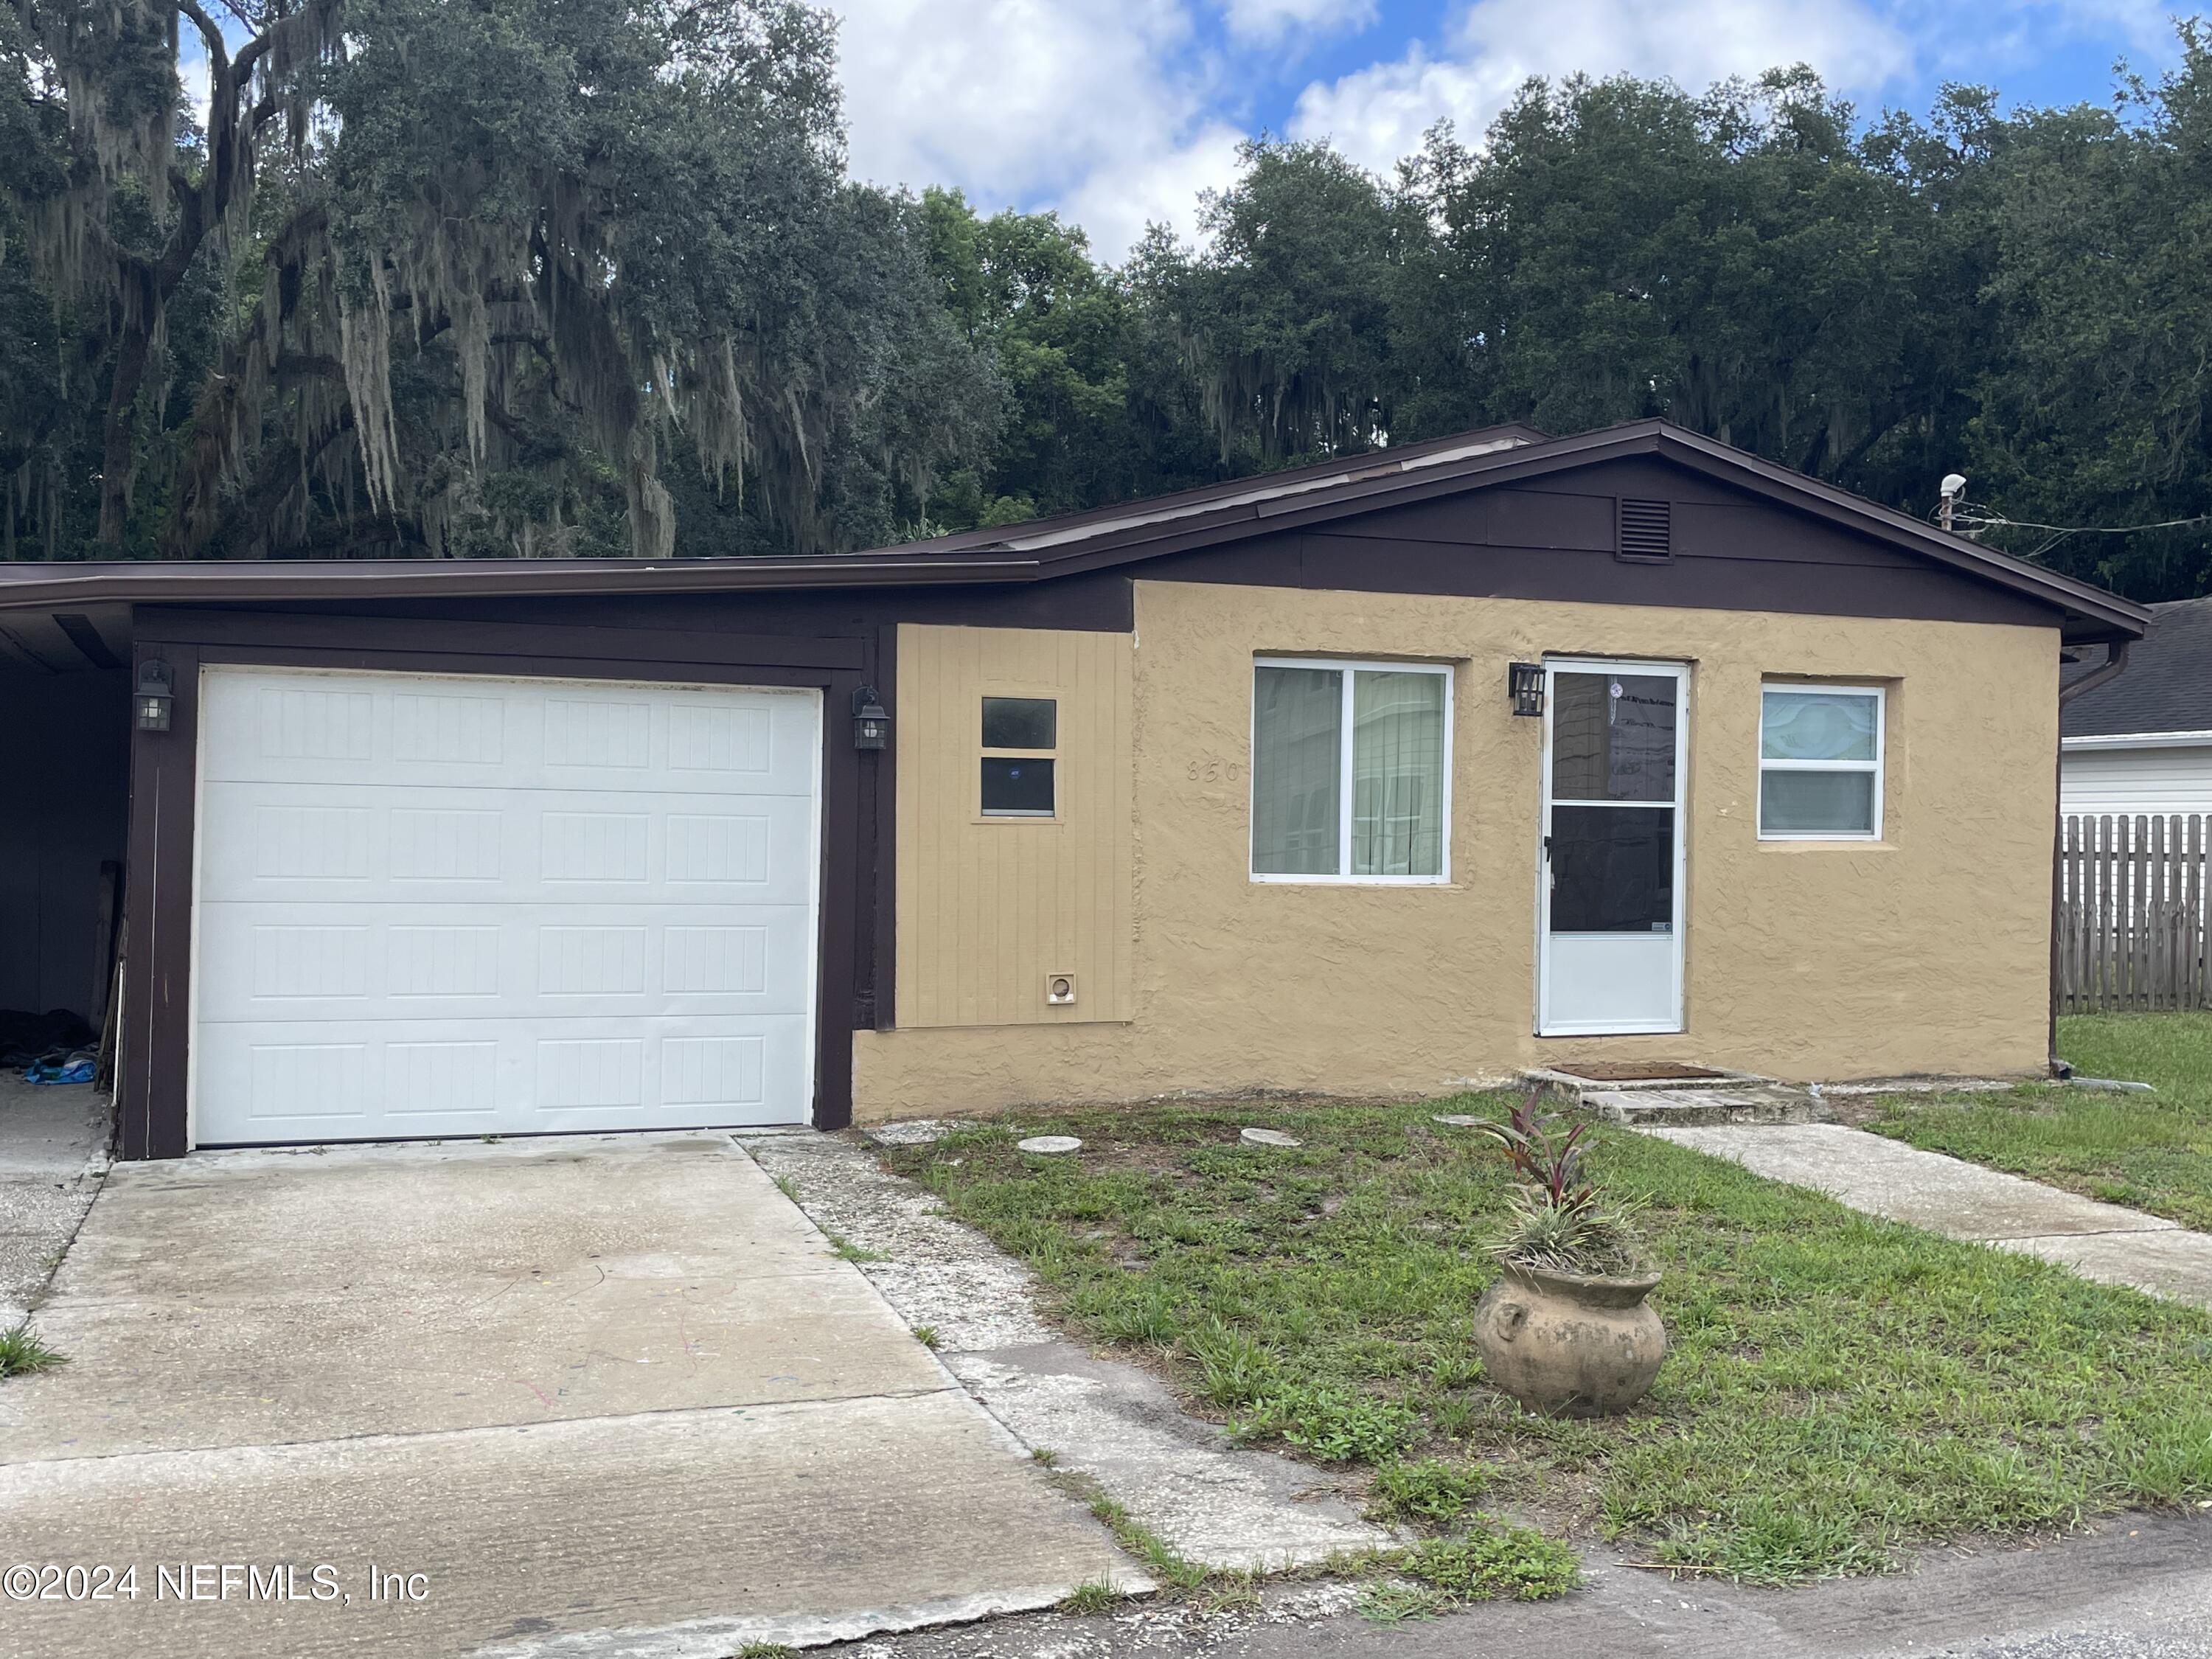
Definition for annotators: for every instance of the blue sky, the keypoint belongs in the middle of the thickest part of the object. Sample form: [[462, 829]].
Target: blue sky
[[1118, 111]]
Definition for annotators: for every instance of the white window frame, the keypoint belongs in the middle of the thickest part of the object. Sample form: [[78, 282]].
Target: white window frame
[[1344, 668], [1878, 765], [999, 751]]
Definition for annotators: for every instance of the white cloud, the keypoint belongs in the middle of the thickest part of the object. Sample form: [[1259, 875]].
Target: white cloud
[[2147, 25], [1099, 106], [1268, 22], [1121, 111], [1115, 203], [1377, 114]]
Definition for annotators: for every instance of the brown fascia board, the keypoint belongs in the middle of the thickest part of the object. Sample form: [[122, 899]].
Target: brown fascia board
[[32, 586]]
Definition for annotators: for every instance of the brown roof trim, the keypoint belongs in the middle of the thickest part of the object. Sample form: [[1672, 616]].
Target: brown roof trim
[[1901, 530], [26, 585], [1108, 537]]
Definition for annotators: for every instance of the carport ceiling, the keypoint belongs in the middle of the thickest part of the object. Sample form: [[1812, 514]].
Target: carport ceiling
[[95, 639]]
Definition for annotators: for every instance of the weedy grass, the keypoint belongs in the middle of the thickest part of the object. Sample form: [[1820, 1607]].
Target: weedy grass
[[1840, 1387], [2151, 1152], [845, 1250], [1094, 1596], [1214, 1588], [21, 1352], [1431, 1491]]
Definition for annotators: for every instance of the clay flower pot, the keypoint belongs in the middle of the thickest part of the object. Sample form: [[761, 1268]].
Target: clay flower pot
[[1570, 1344]]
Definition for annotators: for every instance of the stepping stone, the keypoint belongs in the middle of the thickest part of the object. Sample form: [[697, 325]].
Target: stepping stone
[[1458, 1119], [1050, 1145], [912, 1131], [1269, 1137]]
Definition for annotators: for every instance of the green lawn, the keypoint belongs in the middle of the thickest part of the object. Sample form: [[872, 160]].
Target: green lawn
[[2148, 1151], [1839, 1389]]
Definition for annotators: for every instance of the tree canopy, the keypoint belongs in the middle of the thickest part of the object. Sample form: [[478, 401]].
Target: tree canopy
[[470, 278], [534, 277]]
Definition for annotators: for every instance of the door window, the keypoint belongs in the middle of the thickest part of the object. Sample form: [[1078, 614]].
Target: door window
[[1611, 843]]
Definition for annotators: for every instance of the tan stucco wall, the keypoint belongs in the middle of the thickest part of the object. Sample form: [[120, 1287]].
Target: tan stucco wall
[[1925, 952]]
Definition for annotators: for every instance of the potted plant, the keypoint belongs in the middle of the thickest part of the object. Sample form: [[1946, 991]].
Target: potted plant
[[1565, 1329]]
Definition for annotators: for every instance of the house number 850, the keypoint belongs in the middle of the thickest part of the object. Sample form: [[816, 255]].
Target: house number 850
[[1212, 769]]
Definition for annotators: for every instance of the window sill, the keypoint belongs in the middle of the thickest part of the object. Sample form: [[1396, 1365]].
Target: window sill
[[1443, 882], [1825, 844], [1052, 819]]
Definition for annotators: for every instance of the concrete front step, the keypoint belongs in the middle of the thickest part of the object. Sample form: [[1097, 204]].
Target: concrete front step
[[1722, 1097], [1751, 1104]]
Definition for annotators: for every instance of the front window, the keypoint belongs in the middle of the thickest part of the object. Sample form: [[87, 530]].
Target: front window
[[1819, 762], [1350, 771]]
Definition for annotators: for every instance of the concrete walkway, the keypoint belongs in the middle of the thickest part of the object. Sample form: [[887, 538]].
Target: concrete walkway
[[1947, 1195], [53, 1151], [604, 1396], [1216, 1503]]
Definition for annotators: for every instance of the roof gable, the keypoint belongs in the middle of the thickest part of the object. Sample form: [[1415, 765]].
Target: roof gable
[[2089, 612]]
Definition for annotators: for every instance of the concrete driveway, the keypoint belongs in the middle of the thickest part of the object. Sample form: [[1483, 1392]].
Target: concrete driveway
[[606, 1396]]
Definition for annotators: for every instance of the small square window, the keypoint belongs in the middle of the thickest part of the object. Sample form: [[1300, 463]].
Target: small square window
[[1017, 787], [1020, 723]]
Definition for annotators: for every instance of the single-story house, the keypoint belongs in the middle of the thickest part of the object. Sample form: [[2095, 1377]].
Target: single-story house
[[1428, 765], [2141, 742]]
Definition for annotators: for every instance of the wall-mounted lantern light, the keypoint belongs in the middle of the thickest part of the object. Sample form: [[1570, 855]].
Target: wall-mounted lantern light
[[151, 702], [871, 721], [1527, 680]]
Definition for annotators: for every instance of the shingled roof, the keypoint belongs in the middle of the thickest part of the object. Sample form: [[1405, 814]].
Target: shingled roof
[[2165, 687]]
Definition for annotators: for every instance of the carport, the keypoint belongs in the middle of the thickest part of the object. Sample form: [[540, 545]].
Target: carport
[[392, 850]]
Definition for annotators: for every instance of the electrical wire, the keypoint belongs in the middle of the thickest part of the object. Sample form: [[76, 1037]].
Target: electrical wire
[[1971, 518]]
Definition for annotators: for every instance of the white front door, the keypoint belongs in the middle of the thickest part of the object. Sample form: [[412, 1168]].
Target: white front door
[[464, 905], [1610, 875]]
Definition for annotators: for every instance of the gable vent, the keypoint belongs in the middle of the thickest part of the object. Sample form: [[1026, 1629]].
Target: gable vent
[[1647, 531]]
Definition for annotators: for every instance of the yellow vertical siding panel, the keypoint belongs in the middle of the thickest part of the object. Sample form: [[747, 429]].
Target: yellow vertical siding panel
[[988, 908]]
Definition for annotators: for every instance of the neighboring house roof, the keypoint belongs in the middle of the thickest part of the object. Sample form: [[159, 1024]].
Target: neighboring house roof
[[1043, 548], [2165, 691]]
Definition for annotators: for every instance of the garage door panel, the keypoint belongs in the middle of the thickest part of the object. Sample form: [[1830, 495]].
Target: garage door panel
[[507, 735], [357, 840], [267, 960], [336, 1080], [432, 906]]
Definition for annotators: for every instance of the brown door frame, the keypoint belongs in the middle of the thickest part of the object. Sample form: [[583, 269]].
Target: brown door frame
[[155, 1041]]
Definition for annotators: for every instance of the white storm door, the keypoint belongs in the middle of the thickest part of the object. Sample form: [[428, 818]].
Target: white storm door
[[1610, 877], [463, 905]]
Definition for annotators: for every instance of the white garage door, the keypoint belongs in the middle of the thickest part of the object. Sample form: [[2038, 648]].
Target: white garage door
[[463, 905]]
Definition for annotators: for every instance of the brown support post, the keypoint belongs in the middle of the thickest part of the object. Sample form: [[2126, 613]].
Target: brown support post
[[155, 1034]]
